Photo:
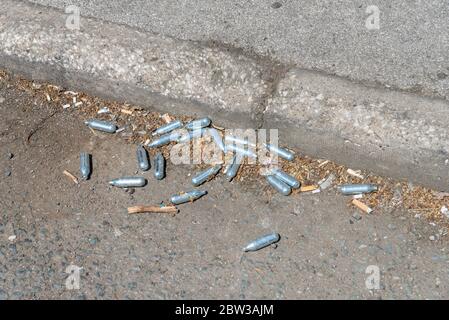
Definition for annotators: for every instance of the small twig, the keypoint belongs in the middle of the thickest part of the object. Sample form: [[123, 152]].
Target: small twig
[[71, 176], [153, 209]]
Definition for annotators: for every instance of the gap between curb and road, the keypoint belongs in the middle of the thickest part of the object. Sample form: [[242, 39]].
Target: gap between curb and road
[[393, 133]]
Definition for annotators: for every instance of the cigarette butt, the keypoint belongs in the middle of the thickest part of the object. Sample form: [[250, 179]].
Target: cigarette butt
[[361, 206], [355, 173], [166, 118], [153, 209], [323, 163], [308, 188], [71, 176], [126, 111], [48, 97]]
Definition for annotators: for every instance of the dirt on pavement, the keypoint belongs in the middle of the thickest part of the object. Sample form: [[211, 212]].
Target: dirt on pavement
[[48, 224]]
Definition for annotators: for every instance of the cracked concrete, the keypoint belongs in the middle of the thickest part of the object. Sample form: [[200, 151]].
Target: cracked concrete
[[393, 133]]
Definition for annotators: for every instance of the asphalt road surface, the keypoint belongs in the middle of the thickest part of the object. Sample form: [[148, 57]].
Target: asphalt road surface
[[51, 228]]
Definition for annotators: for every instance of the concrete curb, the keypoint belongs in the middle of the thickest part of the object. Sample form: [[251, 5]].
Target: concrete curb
[[400, 135], [122, 63], [393, 133]]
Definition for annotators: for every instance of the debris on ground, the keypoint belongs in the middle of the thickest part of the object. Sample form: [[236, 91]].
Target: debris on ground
[[85, 165], [153, 209], [353, 189], [143, 162], [159, 166], [126, 111], [326, 183], [166, 117], [445, 211], [103, 110], [311, 188], [279, 185], [359, 204], [440, 195], [355, 173], [262, 242], [281, 152], [99, 125], [286, 178], [128, 182], [169, 127], [206, 175], [187, 196], [418, 200], [71, 176]]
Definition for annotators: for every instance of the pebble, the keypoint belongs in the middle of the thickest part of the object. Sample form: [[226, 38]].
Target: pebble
[[7, 172], [2, 99], [94, 240], [357, 216], [9, 155], [432, 238]]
